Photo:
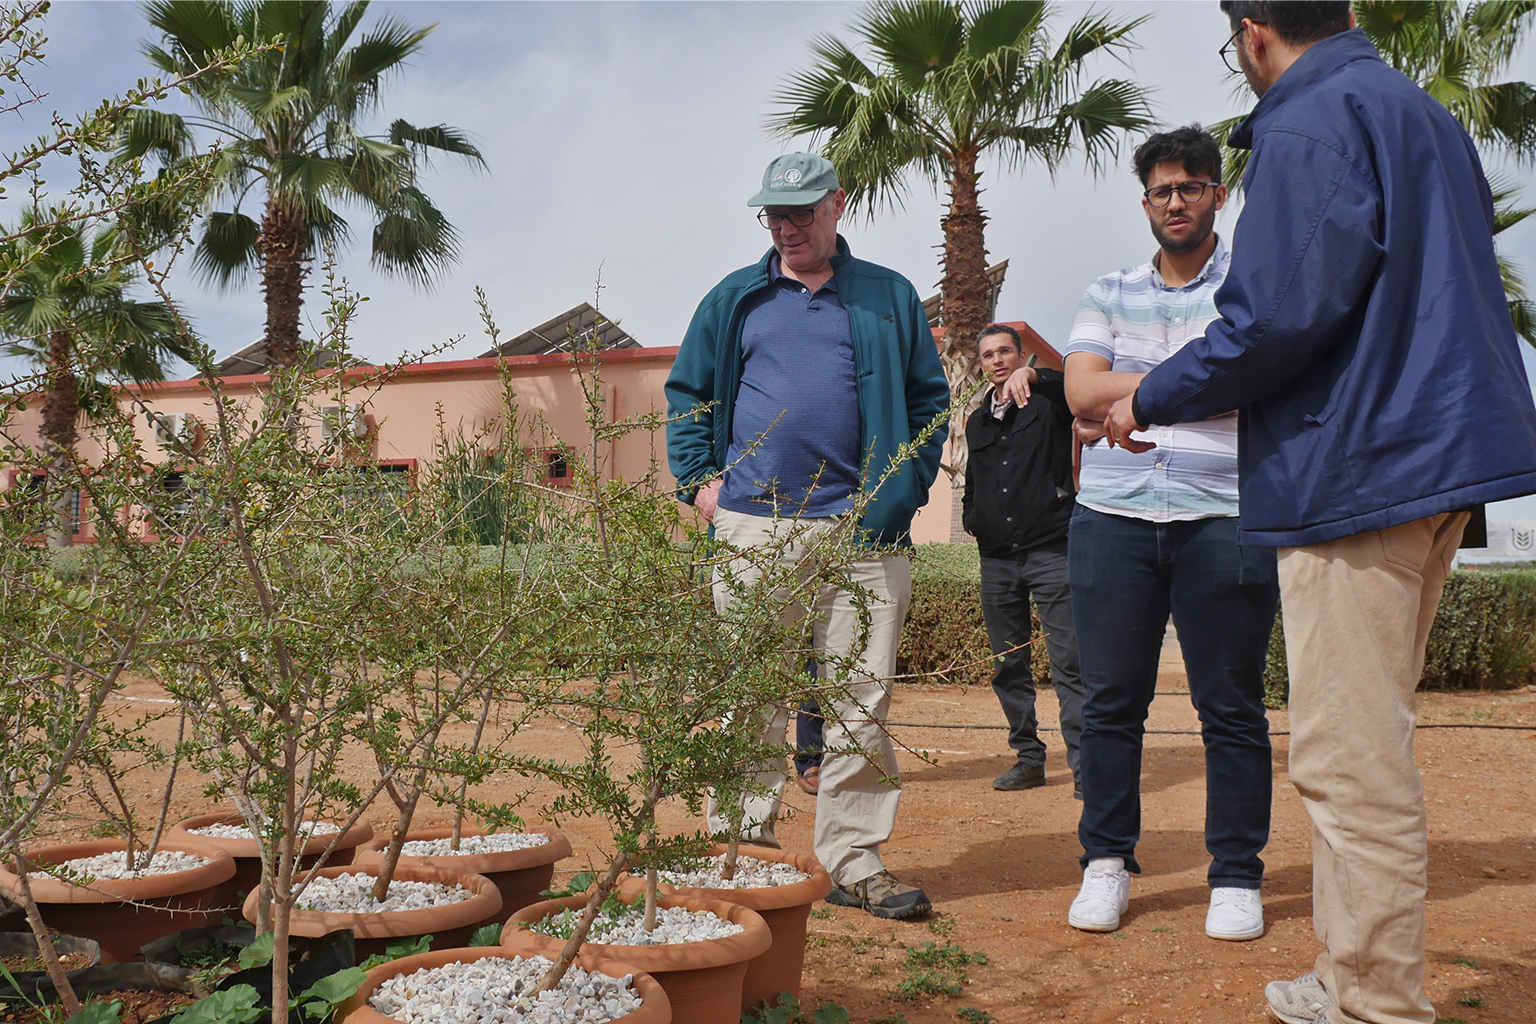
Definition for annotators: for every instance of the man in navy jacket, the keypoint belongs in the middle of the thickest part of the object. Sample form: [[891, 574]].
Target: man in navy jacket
[[1365, 337]]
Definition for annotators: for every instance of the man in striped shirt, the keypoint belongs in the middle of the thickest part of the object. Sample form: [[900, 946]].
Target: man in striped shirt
[[1155, 532]]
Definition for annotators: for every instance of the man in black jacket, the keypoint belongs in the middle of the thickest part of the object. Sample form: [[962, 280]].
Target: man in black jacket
[[1018, 503]]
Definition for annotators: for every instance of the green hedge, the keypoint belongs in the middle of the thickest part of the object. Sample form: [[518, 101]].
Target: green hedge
[[1483, 638]]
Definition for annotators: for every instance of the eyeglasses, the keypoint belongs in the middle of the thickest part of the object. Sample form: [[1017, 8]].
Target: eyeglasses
[[1229, 47], [1189, 191], [800, 218]]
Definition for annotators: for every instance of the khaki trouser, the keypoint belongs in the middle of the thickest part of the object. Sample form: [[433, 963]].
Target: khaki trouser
[[856, 804], [1357, 614]]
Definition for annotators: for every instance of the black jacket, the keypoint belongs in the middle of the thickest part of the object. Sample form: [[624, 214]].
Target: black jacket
[[1018, 483]]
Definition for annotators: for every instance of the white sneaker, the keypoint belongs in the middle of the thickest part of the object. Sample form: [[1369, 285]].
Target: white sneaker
[[1236, 915], [1105, 895], [1303, 1001]]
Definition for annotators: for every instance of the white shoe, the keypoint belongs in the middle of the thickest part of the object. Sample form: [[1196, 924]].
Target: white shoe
[[1236, 915], [1303, 1001], [1105, 895]]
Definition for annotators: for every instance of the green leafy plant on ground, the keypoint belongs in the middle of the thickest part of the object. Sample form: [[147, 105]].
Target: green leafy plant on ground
[[789, 1011], [971, 1015], [934, 970]]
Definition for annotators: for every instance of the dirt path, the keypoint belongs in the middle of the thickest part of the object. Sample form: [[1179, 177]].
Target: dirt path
[[1002, 867]]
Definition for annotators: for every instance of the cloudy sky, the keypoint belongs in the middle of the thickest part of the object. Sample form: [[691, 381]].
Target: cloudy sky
[[623, 140]]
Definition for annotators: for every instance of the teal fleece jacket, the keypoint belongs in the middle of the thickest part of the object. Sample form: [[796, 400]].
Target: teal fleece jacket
[[900, 382]]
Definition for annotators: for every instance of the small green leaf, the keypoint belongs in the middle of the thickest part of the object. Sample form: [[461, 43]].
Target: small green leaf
[[258, 953], [98, 1013], [830, 1013], [322, 997], [580, 883], [490, 935], [235, 1005]]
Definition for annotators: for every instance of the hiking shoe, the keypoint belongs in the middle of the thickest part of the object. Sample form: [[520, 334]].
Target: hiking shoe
[[809, 780], [882, 895], [1236, 915], [1105, 895], [1303, 1001], [1077, 789], [1020, 776]]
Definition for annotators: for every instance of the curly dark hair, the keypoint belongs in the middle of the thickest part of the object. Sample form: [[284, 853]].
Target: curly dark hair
[[1295, 21], [1191, 145]]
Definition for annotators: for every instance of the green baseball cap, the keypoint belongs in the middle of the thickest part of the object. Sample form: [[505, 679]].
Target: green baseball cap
[[796, 179]]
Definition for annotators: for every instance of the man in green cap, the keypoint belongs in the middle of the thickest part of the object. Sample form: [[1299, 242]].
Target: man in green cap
[[835, 356]]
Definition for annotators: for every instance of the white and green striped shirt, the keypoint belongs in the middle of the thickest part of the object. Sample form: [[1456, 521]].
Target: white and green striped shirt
[[1135, 320]]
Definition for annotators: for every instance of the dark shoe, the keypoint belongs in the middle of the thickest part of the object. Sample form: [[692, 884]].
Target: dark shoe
[[809, 780], [1077, 789], [882, 895], [1020, 776]]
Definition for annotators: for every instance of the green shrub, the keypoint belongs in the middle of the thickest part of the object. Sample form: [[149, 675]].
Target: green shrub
[[945, 631], [1484, 636]]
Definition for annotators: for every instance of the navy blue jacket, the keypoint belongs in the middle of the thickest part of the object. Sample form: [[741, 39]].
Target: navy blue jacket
[[1364, 331]]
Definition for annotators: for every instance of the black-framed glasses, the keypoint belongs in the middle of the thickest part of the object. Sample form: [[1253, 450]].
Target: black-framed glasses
[[1189, 191], [800, 218], [1229, 47]]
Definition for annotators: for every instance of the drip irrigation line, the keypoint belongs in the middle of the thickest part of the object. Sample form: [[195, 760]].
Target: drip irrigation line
[[1196, 732]]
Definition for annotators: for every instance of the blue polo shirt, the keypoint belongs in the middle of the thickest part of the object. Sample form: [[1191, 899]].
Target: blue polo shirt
[[795, 428]]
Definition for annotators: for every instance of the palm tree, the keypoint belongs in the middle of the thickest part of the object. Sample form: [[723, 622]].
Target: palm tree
[[1458, 54], [946, 84], [65, 309], [288, 124]]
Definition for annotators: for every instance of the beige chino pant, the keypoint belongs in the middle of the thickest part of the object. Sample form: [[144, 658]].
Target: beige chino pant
[[856, 804], [1357, 613]]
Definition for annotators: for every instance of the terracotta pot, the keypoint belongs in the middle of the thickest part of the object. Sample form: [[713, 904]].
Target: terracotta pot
[[247, 852], [702, 979], [122, 914], [786, 909], [450, 925], [521, 876], [654, 1008]]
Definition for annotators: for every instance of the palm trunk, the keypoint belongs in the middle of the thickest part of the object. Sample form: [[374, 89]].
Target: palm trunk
[[284, 262], [967, 305], [61, 408]]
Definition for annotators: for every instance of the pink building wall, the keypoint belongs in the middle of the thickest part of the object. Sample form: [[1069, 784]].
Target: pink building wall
[[402, 413]]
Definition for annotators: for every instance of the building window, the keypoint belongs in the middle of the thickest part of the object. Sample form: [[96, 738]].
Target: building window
[[557, 470], [387, 485]]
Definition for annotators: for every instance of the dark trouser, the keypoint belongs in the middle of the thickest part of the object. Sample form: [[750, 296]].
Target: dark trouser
[[1127, 575], [809, 728], [1006, 584], [808, 736]]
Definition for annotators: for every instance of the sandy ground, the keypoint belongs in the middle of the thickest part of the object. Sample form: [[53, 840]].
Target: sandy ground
[[1002, 867]]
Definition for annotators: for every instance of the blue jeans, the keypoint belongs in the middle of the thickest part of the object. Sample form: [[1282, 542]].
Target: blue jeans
[[1127, 576]]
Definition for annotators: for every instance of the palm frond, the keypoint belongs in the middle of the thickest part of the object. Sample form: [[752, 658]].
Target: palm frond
[[226, 253], [440, 137], [413, 239]]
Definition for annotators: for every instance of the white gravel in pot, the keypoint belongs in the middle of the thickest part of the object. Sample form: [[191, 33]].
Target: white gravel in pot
[[309, 828], [751, 873], [492, 991], [115, 865], [351, 894], [496, 842], [627, 927]]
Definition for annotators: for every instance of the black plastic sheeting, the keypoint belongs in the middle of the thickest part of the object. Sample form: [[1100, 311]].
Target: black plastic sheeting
[[312, 959], [37, 987]]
